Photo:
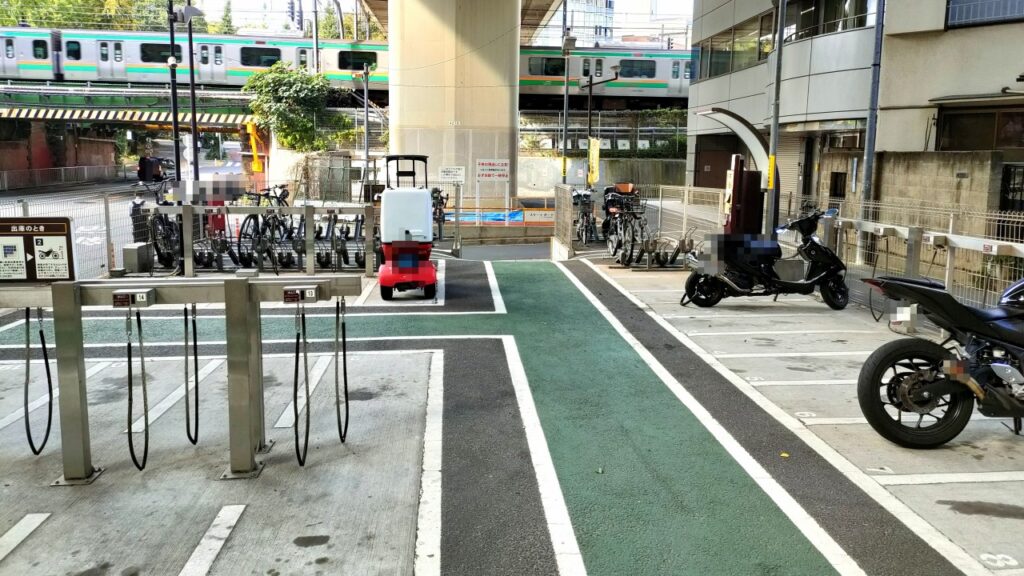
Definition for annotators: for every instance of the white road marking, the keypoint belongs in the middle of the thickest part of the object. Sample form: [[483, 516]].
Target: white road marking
[[12, 325], [287, 418], [804, 522], [492, 280], [761, 383], [781, 332], [176, 395], [19, 532], [713, 316], [936, 539], [949, 478], [205, 554], [278, 341], [428, 521], [832, 421], [563, 538], [795, 354], [42, 400], [367, 290]]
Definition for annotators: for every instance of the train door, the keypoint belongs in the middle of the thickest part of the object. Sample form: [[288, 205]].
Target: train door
[[9, 57], [105, 59], [678, 77], [117, 61], [211, 63], [302, 58]]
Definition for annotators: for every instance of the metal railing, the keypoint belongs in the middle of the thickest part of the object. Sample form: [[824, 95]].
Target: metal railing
[[564, 216], [20, 179]]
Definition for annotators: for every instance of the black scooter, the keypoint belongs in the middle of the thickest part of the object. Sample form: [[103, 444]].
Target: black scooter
[[920, 394], [746, 267]]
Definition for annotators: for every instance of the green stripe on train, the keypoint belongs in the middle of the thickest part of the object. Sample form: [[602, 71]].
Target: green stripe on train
[[585, 53], [25, 34], [161, 70], [35, 66], [547, 83], [217, 40], [81, 67], [652, 85]]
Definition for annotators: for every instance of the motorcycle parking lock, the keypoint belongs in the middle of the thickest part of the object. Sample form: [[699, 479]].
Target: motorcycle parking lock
[[36, 450], [133, 300]]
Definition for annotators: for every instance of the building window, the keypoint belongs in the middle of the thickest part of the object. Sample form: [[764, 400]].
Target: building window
[[978, 12], [204, 55], [73, 50], [1010, 129], [9, 47], [968, 131], [158, 52], [801, 19], [746, 36], [40, 50], [355, 60], [705, 59], [721, 54], [638, 69], [839, 15], [218, 55], [766, 43], [260, 57], [547, 66]]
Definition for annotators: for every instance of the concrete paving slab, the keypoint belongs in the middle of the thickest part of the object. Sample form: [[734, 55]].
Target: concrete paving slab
[[827, 368], [831, 401]]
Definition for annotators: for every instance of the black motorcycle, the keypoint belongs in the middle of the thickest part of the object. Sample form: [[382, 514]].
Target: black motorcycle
[[920, 394], [746, 267]]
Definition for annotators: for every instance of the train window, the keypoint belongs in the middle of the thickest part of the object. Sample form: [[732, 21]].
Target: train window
[[9, 47], [599, 67], [675, 70], [159, 52], [73, 50], [204, 55], [547, 66], [218, 55], [118, 52], [263, 57], [104, 52], [40, 50], [689, 70], [355, 60], [303, 58], [638, 69], [586, 66]]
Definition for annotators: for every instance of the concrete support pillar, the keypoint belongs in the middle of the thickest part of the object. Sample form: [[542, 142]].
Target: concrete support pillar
[[454, 68]]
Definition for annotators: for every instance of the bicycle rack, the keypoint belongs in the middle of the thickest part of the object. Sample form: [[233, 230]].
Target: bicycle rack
[[241, 298]]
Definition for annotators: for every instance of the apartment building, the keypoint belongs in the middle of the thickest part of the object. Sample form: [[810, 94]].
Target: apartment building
[[951, 113]]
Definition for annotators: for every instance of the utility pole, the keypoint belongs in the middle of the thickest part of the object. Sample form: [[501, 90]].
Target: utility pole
[[316, 39], [872, 128], [172, 64], [565, 104], [192, 100], [771, 216], [366, 124]]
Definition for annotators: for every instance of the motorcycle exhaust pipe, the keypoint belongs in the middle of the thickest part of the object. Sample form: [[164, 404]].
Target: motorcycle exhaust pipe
[[733, 286]]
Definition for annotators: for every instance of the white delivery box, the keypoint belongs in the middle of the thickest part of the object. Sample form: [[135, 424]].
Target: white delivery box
[[406, 214]]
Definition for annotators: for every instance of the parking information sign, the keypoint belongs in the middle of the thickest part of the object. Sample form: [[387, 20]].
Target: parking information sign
[[36, 250], [455, 174]]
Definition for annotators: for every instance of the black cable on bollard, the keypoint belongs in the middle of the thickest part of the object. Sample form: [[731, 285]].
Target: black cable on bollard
[[36, 450], [145, 393], [300, 344], [193, 436], [339, 319]]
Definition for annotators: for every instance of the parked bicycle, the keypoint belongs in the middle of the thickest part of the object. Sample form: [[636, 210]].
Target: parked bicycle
[[260, 238], [440, 200], [625, 224], [585, 223]]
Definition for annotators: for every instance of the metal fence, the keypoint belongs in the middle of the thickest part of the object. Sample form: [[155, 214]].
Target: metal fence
[[564, 216], [20, 179]]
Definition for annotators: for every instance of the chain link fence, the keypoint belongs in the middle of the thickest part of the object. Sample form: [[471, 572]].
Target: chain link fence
[[22, 179]]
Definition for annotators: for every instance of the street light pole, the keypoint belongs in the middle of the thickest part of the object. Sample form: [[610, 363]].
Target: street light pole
[[316, 39], [192, 100], [590, 109], [565, 103], [771, 216], [172, 64]]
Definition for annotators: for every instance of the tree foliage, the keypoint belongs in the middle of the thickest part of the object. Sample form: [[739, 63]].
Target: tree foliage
[[329, 26], [226, 24], [287, 102]]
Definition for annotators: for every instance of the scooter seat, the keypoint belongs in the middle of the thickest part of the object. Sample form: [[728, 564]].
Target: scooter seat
[[994, 314]]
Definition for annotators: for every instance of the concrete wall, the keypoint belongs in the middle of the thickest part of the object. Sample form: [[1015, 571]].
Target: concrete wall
[[455, 82], [908, 16], [932, 177], [89, 151], [538, 175], [14, 155], [917, 68]]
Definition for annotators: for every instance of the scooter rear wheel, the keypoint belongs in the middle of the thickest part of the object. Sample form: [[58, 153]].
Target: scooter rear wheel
[[704, 290]]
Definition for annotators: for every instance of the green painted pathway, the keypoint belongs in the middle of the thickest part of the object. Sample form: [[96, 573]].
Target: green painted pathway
[[648, 489]]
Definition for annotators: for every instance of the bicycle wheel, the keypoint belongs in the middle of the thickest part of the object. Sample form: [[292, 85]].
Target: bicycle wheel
[[628, 246], [247, 235]]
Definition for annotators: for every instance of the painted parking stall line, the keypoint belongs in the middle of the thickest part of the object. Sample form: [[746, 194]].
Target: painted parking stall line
[[42, 400], [205, 554], [836, 382], [777, 332], [864, 353], [171, 399], [19, 532], [287, 418], [807, 525], [428, 521], [922, 530], [949, 478]]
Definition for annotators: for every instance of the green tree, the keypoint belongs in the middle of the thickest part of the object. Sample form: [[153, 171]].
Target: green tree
[[329, 24], [287, 102], [226, 25]]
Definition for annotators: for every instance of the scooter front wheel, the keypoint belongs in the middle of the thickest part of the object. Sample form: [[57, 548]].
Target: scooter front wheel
[[835, 293], [704, 290]]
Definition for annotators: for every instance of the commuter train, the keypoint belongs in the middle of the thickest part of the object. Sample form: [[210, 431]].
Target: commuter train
[[141, 57]]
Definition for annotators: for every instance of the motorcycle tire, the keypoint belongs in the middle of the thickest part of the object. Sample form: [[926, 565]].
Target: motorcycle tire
[[835, 293], [703, 290], [360, 259], [871, 386], [612, 242]]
